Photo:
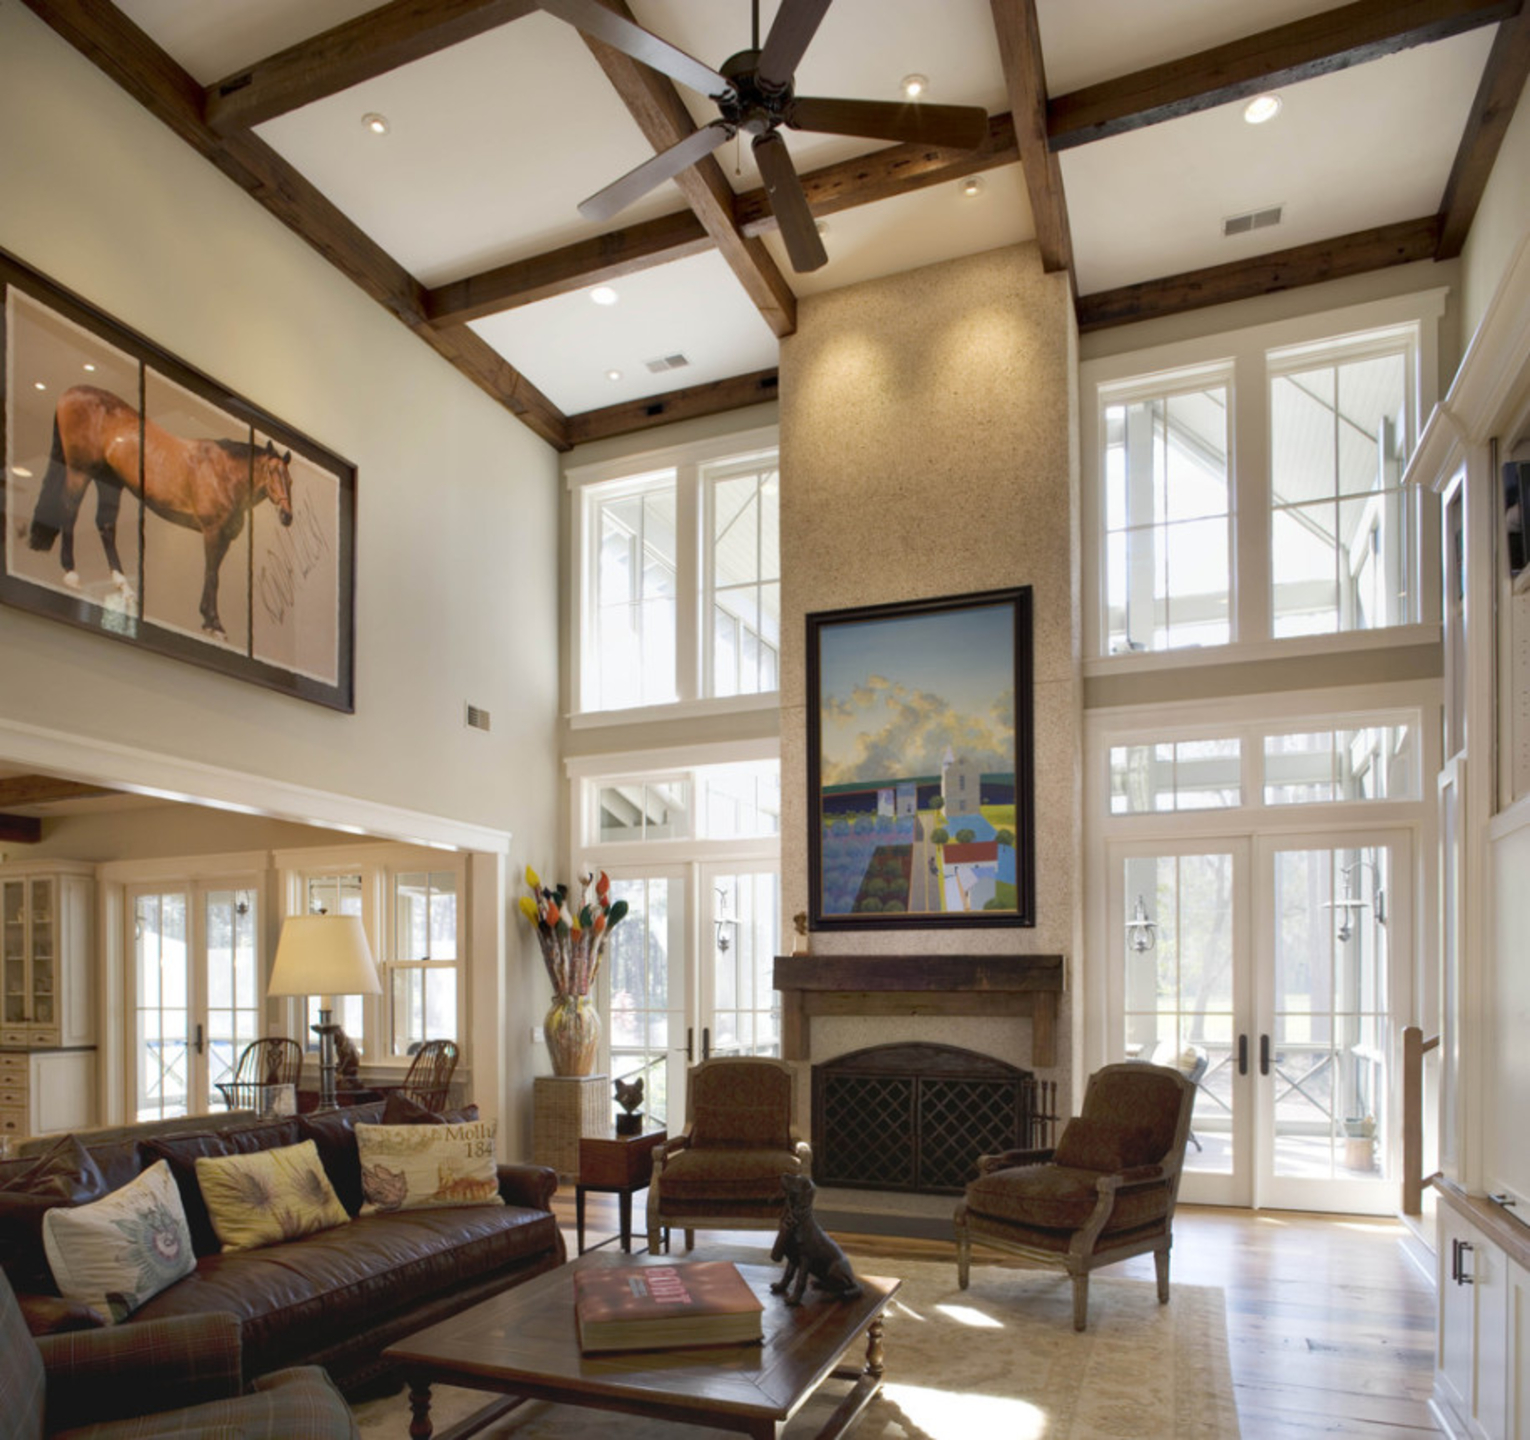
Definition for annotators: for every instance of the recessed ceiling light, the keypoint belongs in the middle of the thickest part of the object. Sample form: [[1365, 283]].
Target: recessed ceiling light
[[1261, 108], [613, 374], [38, 385], [21, 472], [914, 86], [377, 124], [90, 367], [603, 295], [972, 185]]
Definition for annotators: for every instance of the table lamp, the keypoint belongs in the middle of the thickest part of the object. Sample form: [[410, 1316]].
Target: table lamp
[[324, 955]]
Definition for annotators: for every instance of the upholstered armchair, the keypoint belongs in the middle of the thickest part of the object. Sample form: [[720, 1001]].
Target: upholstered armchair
[[1104, 1194], [723, 1171], [172, 1377]]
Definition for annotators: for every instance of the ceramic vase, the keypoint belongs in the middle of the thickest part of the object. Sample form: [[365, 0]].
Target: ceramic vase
[[572, 1029]]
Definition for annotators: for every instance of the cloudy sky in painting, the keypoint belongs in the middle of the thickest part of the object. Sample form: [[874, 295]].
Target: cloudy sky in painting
[[895, 693]]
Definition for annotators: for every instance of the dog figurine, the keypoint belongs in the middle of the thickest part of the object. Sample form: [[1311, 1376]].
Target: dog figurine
[[808, 1249]]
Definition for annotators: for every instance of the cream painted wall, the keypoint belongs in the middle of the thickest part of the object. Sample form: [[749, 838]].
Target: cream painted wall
[[1503, 220], [927, 449], [457, 570]]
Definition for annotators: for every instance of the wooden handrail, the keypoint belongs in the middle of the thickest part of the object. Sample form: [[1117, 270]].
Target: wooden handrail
[[1415, 1047]]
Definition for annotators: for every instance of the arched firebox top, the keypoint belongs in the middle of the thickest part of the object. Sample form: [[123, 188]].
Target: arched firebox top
[[923, 1059]]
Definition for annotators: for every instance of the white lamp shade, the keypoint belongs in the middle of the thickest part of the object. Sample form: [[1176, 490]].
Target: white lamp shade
[[323, 955]]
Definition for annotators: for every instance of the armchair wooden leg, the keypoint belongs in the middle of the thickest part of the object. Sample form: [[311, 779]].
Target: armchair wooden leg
[[690, 1239], [1081, 1300], [1161, 1265], [963, 1256]]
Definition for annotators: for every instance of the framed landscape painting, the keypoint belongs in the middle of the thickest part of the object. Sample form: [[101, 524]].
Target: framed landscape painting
[[920, 781]]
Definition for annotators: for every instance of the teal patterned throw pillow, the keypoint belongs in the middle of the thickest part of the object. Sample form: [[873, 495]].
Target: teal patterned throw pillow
[[121, 1251]]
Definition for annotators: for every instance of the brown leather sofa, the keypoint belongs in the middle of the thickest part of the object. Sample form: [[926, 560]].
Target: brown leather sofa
[[336, 1298]]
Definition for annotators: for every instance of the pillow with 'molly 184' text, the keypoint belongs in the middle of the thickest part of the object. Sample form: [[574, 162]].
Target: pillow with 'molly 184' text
[[410, 1167], [119, 1252]]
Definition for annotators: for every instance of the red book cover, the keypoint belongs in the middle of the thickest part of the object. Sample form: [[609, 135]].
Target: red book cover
[[652, 1307]]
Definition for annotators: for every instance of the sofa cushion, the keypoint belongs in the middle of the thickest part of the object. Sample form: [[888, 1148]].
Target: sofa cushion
[[726, 1174], [117, 1252], [65, 1175], [1060, 1197], [297, 1299], [407, 1167], [268, 1197], [1087, 1144]]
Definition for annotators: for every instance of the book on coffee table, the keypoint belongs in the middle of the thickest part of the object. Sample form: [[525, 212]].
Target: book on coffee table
[[655, 1307]]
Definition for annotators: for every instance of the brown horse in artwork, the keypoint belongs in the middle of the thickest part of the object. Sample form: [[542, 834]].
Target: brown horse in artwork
[[204, 485]]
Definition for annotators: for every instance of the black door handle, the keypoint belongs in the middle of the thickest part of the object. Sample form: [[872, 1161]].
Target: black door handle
[[706, 1042], [199, 1040], [690, 1044], [1264, 1054], [1243, 1054]]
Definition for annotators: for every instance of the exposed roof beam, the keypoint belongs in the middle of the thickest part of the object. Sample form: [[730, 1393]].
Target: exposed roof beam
[[20, 829], [1262, 274], [361, 48], [44, 790], [661, 115], [1316, 45], [687, 404], [1503, 82], [896, 170], [106, 37], [1014, 23]]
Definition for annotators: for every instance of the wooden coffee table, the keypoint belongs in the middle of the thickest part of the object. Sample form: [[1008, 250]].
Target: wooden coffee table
[[522, 1345]]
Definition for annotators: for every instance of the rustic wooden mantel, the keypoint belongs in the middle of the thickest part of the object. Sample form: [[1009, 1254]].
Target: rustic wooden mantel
[[919, 985]]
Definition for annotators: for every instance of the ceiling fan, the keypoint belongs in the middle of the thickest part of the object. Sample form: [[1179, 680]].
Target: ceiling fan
[[754, 96]]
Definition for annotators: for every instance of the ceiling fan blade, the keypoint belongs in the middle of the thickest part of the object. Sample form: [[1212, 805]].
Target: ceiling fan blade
[[792, 31], [620, 193], [953, 127], [592, 18], [789, 203]]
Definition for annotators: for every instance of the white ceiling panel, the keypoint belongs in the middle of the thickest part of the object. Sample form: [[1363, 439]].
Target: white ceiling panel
[[921, 228], [1363, 147], [694, 307], [491, 146]]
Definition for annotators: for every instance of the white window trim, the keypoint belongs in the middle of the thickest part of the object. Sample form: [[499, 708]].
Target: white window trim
[[686, 461], [1253, 354]]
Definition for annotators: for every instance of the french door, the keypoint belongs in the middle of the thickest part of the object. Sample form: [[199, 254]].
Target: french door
[[1269, 970], [196, 988], [690, 973]]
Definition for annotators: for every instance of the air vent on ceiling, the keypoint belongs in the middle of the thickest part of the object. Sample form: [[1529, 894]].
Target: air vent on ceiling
[[667, 362], [1253, 220], [478, 719]]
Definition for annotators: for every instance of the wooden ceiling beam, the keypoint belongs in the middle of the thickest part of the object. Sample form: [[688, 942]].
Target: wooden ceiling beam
[[116, 46], [665, 409], [22, 829], [45, 790], [661, 115], [1503, 82], [1014, 23], [1315, 45], [1352, 254], [347, 54]]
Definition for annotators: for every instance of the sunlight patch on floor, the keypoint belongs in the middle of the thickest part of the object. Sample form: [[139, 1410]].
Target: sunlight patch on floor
[[948, 1415], [966, 1315]]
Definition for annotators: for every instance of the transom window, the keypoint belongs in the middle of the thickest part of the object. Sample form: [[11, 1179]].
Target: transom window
[[1175, 775]]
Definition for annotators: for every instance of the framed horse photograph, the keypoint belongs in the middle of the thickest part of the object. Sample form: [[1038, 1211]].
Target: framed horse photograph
[[147, 502]]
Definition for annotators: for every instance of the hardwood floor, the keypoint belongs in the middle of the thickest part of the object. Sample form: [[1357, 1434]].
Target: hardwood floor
[[1330, 1326]]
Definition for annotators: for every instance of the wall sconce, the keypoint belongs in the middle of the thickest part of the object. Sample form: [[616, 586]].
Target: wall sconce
[[1349, 904], [1139, 929]]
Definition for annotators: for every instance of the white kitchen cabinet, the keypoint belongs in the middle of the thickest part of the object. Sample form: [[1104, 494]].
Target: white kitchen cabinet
[[44, 1091], [47, 959]]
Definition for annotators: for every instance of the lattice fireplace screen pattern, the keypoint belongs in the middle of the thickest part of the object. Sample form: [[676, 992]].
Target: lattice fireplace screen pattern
[[916, 1117]]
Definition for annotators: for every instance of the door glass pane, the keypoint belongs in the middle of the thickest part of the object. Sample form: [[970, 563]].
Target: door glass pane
[[1179, 985], [233, 984], [746, 1019], [640, 1004], [1330, 976], [161, 1042]]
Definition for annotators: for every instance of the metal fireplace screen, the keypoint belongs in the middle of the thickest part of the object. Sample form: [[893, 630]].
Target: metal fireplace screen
[[916, 1117]]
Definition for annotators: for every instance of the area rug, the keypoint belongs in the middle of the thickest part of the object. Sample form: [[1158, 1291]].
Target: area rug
[[1000, 1359]]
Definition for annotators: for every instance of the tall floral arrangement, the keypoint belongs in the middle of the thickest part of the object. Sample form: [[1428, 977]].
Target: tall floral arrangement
[[572, 934]]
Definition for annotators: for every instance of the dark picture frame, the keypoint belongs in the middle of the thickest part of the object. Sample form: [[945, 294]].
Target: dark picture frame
[[921, 782], [148, 503]]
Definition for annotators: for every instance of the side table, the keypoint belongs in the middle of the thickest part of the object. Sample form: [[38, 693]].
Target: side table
[[621, 1165]]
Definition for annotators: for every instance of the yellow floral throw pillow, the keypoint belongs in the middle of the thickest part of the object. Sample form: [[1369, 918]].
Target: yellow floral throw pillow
[[269, 1196], [409, 1167]]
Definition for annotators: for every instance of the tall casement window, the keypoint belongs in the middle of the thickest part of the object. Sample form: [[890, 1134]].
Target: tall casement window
[[1247, 488], [679, 590]]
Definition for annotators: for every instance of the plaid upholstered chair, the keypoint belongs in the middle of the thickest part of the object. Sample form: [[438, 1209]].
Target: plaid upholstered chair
[[154, 1378], [723, 1171], [1105, 1193]]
